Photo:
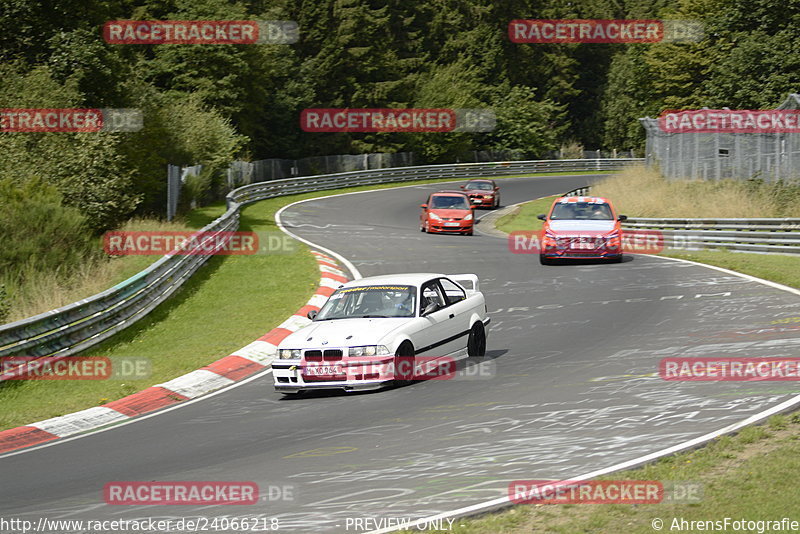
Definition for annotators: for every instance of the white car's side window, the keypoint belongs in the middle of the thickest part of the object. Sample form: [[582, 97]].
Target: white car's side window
[[452, 290], [431, 293]]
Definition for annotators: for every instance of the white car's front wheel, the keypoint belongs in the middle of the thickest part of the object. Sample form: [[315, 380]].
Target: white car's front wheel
[[404, 364], [476, 344]]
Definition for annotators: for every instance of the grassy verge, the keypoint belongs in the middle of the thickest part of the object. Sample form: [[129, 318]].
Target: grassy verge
[[748, 476], [523, 217], [46, 290], [643, 192], [229, 302], [775, 267]]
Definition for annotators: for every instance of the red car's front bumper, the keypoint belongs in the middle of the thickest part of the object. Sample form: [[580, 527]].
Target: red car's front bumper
[[580, 248], [483, 201]]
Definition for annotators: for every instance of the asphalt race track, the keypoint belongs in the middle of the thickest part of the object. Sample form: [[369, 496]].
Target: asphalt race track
[[570, 384]]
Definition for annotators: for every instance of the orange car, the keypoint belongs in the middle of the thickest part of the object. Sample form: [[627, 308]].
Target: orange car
[[483, 193], [580, 228], [447, 211]]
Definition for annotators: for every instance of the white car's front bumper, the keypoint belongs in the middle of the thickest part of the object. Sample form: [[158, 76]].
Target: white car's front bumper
[[358, 374]]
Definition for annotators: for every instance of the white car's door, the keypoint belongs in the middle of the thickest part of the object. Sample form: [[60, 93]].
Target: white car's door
[[440, 330], [460, 308]]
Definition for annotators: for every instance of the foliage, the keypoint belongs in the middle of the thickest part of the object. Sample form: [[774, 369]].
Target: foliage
[[39, 233]]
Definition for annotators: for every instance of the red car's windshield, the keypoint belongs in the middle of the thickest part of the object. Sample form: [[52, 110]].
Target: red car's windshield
[[482, 186], [582, 210]]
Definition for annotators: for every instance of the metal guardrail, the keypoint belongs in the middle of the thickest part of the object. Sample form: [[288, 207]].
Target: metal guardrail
[[70, 329], [767, 235], [777, 236], [274, 188]]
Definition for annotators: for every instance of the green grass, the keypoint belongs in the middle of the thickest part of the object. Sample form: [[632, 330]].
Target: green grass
[[229, 302], [775, 267], [748, 476], [523, 217]]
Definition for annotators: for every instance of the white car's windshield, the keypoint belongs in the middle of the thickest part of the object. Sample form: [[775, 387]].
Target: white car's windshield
[[369, 301], [582, 210], [449, 202]]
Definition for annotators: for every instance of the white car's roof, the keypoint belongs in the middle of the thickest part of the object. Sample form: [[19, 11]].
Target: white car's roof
[[408, 279]]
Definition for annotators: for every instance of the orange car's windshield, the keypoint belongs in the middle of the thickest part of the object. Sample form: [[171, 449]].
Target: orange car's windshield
[[449, 202]]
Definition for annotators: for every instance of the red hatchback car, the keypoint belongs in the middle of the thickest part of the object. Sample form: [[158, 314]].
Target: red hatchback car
[[483, 193], [581, 228], [447, 211]]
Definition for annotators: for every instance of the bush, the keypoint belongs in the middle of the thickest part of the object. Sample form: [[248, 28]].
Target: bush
[[5, 305], [39, 234]]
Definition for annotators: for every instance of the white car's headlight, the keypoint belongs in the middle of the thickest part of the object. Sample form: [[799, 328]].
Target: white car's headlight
[[435, 217], [290, 354], [468, 217], [369, 350]]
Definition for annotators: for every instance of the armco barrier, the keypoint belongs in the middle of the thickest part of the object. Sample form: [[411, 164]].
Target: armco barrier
[[777, 236], [769, 236], [275, 188], [83, 324]]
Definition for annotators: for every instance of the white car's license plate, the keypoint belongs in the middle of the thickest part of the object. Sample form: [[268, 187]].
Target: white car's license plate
[[324, 370], [452, 224]]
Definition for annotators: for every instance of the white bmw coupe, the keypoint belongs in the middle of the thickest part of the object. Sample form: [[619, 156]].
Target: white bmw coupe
[[385, 329]]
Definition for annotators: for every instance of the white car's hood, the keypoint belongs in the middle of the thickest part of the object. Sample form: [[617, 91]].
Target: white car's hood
[[582, 225], [343, 333]]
